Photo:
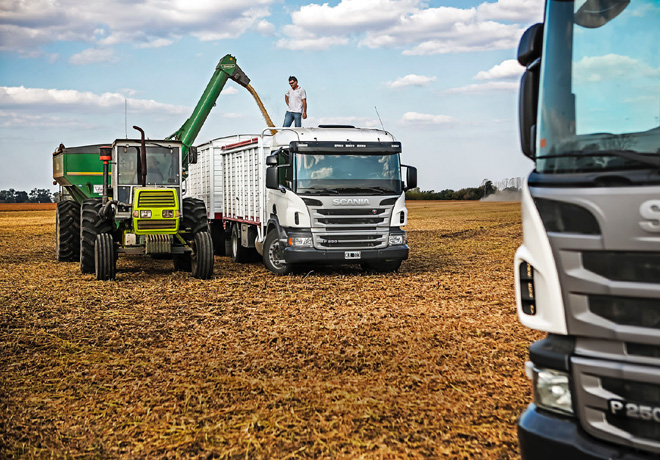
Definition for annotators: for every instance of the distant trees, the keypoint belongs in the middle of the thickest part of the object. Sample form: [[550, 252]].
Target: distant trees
[[37, 195], [487, 188]]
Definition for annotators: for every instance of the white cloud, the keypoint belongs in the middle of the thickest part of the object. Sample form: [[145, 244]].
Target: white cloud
[[265, 28], [507, 70], [611, 66], [27, 120], [84, 101], [412, 24], [229, 90], [311, 44], [411, 80], [486, 87], [93, 55], [426, 119], [28, 25]]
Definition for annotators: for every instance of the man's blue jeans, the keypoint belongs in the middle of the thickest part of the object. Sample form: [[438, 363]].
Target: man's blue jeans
[[290, 117]]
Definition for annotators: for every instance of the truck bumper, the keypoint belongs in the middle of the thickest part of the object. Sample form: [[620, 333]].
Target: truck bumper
[[544, 436], [310, 255]]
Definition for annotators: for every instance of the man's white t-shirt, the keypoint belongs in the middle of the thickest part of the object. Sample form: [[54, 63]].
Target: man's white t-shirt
[[296, 97]]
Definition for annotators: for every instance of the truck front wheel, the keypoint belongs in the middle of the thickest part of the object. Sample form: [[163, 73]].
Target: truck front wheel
[[273, 254]]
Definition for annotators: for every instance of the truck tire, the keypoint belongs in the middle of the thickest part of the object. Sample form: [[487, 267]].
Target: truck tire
[[105, 260], [67, 231], [218, 237], [272, 254], [239, 254], [382, 267], [90, 226], [201, 260], [194, 218]]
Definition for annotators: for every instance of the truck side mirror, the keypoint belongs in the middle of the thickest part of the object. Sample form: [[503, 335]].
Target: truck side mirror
[[271, 160], [529, 55], [192, 155], [272, 181], [411, 177]]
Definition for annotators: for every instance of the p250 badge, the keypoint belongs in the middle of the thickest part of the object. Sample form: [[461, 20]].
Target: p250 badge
[[633, 410]]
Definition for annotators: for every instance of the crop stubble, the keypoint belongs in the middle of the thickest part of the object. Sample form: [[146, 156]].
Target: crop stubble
[[327, 363]]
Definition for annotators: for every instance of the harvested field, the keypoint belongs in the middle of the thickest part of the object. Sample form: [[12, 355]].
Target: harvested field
[[329, 363]]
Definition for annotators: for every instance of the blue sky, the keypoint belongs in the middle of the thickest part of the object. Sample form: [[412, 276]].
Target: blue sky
[[441, 74]]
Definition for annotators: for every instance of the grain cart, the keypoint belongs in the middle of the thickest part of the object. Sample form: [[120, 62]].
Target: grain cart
[[588, 272], [331, 194], [139, 211]]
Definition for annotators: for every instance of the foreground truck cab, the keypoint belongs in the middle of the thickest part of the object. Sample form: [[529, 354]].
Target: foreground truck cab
[[588, 272], [330, 195]]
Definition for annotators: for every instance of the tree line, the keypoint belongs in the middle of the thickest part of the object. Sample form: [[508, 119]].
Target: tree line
[[37, 195], [470, 193]]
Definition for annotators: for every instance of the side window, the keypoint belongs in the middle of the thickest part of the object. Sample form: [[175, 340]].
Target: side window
[[285, 173]]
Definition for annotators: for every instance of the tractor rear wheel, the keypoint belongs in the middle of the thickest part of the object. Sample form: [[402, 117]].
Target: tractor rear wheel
[[201, 260], [90, 226], [67, 231], [105, 261], [194, 218]]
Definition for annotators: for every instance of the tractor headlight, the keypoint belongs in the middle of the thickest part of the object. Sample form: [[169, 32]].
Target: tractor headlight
[[301, 241], [552, 389], [145, 214], [168, 213], [396, 239]]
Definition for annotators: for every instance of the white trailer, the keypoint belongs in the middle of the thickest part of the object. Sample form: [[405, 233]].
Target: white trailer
[[305, 195]]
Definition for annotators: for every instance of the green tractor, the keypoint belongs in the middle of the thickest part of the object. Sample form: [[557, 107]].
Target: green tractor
[[135, 208]]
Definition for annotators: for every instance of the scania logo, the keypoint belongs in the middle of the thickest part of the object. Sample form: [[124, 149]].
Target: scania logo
[[650, 210], [350, 202]]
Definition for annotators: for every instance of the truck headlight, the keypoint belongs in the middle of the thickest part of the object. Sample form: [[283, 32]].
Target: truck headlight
[[145, 214], [168, 213], [397, 239], [552, 389], [301, 241]]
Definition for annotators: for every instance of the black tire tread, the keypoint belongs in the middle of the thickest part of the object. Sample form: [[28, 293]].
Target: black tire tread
[[202, 258], [90, 226], [68, 231]]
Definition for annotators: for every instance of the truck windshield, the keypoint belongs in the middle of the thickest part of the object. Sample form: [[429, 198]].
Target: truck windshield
[[162, 165], [599, 101], [348, 174]]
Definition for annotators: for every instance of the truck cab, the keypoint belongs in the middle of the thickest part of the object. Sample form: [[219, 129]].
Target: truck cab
[[588, 272], [336, 195]]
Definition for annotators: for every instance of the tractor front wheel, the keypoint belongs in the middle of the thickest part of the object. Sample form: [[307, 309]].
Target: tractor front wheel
[[105, 261], [201, 260]]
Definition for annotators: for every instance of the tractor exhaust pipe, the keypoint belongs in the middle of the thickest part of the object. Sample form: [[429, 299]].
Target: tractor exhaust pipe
[[143, 157], [106, 157]]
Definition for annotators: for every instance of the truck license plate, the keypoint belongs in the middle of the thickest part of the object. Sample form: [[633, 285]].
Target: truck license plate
[[352, 255]]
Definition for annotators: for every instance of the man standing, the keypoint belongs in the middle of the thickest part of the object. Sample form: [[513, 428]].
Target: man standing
[[296, 101]]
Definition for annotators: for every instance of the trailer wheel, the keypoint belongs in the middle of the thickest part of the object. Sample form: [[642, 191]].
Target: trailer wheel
[[67, 231], [382, 267], [105, 261], [218, 237], [273, 254], [238, 253], [90, 226], [194, 218], [201, 260]]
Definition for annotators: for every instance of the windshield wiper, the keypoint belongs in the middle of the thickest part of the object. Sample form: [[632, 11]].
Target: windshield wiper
[[367, 189], [627, 154], [319, 191]]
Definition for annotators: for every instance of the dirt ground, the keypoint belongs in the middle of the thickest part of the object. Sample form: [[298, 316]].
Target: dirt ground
[[329, 363]]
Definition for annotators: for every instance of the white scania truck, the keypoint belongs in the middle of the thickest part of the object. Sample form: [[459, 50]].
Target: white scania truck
[[332, 194], [588, 272]]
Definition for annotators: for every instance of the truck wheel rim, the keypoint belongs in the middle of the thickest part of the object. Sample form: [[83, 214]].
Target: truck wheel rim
[[274, 256]]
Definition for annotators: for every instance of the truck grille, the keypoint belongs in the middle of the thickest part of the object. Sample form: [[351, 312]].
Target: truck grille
[[627, 311], [156, 198], [152, 224], [598, 382], [638, 267], [350, 228]]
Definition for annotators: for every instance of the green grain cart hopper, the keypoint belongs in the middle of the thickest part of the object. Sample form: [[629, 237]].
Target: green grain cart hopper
[[126, 198]]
